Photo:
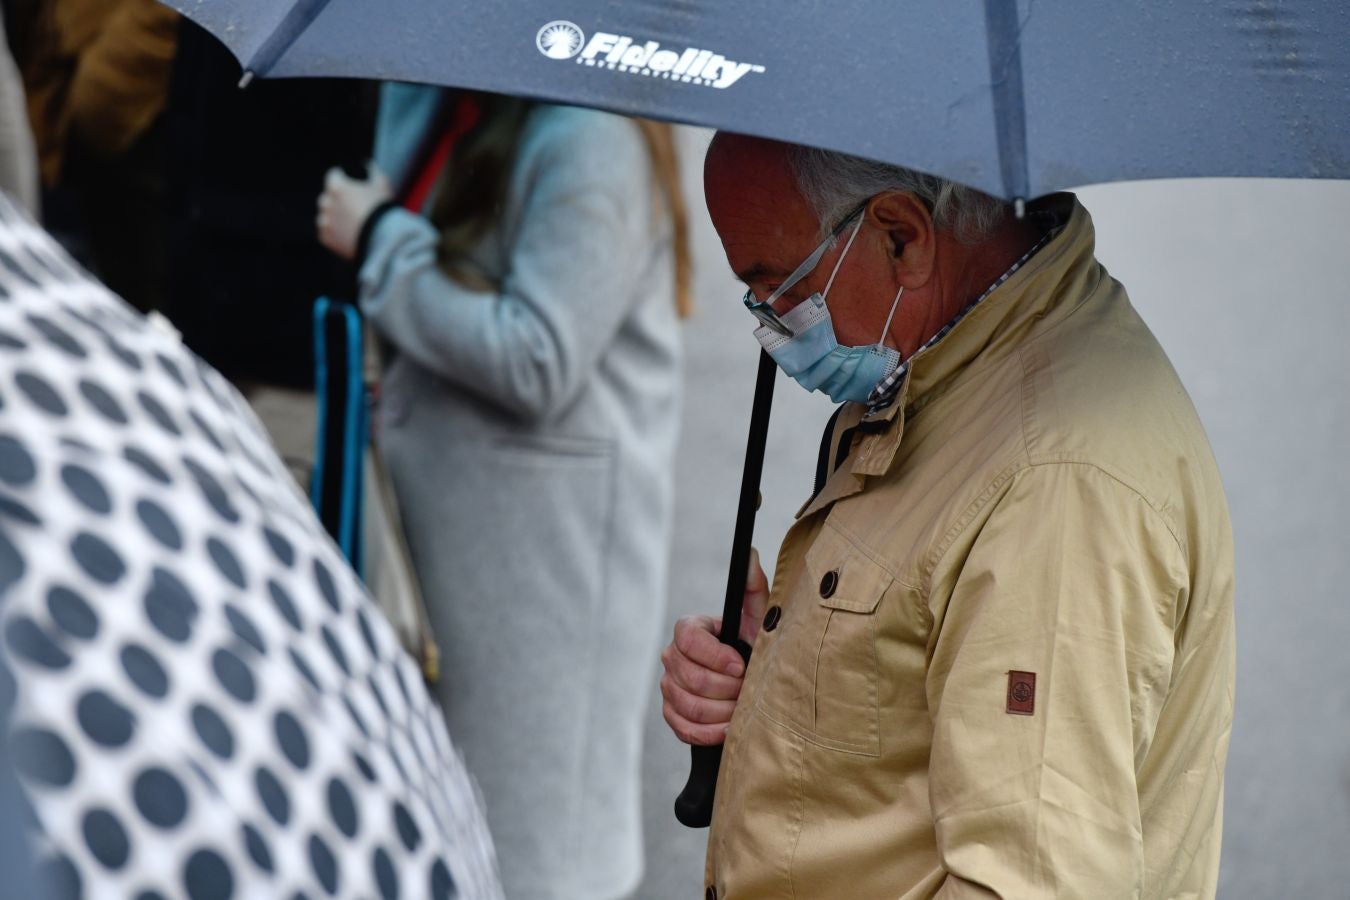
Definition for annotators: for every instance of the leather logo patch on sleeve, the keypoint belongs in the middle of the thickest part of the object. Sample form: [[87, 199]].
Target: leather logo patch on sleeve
[[1022, 693]]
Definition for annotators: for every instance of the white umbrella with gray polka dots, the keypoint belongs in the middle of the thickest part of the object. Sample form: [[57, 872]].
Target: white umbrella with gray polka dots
[[201, 700]]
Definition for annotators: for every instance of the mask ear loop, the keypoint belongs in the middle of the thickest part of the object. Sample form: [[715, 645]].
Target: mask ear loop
[[885, 329], [856, 228]]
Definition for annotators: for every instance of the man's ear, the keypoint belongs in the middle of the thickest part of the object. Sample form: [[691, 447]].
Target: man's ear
[[908, 226]]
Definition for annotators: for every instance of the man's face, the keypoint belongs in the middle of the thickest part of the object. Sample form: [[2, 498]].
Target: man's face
[[767, 229]]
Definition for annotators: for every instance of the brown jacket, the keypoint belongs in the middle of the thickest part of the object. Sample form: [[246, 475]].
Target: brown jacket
[[1004, 665], [96, 71]]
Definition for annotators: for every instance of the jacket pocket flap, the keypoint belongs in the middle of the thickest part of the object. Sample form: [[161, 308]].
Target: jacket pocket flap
[[844, 576]]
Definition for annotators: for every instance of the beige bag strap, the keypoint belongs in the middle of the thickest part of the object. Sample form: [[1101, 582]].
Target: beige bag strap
[[427, 652]]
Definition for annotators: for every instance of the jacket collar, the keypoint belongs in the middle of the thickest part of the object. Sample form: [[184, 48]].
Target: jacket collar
[[1032, 300]]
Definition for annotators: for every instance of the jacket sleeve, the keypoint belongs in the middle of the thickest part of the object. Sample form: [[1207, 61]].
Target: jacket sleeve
[[528, 346], [1075, 578]]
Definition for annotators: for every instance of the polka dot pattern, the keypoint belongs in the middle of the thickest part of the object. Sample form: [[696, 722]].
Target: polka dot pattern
[[106, 838], [160, 797], [203, 701], [97, 558], [16, 511], [16, 464], [103, 402], [169, 605], [72, 613], [42, 757], [85, 487], [144, 670], [159, 524], [59, 878], [40, 393], [28, 642], [211, 729], [103, 719], [256, 846]]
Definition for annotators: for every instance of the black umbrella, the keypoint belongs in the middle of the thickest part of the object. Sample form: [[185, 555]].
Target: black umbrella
[[1018, 99], [1015, 98]]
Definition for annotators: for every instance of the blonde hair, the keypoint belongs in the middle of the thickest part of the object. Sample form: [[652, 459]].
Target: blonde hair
[[660, 138]]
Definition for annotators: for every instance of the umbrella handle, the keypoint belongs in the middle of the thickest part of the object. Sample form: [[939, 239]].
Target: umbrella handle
[[694, 805]]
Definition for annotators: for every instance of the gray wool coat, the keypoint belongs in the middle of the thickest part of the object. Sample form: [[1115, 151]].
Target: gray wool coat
[[530, 432]]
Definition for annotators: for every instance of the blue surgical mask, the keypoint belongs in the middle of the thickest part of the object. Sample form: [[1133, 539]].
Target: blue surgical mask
[[812, 356]]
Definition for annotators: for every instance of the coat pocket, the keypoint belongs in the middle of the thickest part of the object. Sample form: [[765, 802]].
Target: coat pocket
[[551, 501], [552, 450], [824, 683]]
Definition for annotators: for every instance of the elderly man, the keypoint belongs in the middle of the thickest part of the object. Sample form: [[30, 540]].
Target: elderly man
[[997, 656]]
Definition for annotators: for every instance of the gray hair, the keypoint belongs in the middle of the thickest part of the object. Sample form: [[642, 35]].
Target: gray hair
[[835, 184]]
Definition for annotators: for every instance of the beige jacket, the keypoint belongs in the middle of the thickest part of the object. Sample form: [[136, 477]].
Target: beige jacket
[[1004, 665]]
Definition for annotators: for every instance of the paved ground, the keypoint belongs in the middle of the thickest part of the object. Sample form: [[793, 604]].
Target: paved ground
[[1245, 285]]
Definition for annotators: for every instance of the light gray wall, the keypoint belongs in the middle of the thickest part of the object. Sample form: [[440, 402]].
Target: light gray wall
[[1244, 283]]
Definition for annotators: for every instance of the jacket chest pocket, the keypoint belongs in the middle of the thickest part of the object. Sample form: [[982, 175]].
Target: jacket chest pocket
[[821, 681]]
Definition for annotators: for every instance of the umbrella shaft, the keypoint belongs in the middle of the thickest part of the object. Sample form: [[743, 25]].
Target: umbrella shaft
[[694, 805], [744, 534]]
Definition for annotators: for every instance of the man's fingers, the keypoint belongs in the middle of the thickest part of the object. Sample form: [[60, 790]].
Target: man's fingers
[[333, 177], [701, 710], [696, 639], [701, 683], [756, 582], [692, 732], [698, 679], [756, 587], [755, 599]]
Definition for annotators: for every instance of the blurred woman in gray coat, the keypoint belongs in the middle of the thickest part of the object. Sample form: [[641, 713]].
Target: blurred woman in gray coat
[[18, 154], [529, 421]]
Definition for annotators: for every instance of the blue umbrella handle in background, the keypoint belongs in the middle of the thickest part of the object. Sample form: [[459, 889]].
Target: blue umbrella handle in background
[[694, 806]]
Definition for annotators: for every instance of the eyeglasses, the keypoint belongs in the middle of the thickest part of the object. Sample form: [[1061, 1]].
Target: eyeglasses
[[763, 309]]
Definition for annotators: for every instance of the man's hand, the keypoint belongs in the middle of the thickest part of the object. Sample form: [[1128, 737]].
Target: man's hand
[[703, 675], [343, 207]]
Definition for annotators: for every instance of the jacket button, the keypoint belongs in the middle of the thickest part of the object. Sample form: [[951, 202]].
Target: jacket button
[[829, 583], [710, 893], [771, 617]]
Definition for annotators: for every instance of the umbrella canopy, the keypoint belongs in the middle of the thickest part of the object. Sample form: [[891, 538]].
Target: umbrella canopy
[[1016, 99], [199, 698]]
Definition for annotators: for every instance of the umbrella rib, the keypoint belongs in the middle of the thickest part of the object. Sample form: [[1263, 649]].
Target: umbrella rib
[[1005, 75], [297, 19]]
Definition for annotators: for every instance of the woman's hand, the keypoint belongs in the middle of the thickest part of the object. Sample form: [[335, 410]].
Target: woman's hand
[[344, 206]]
